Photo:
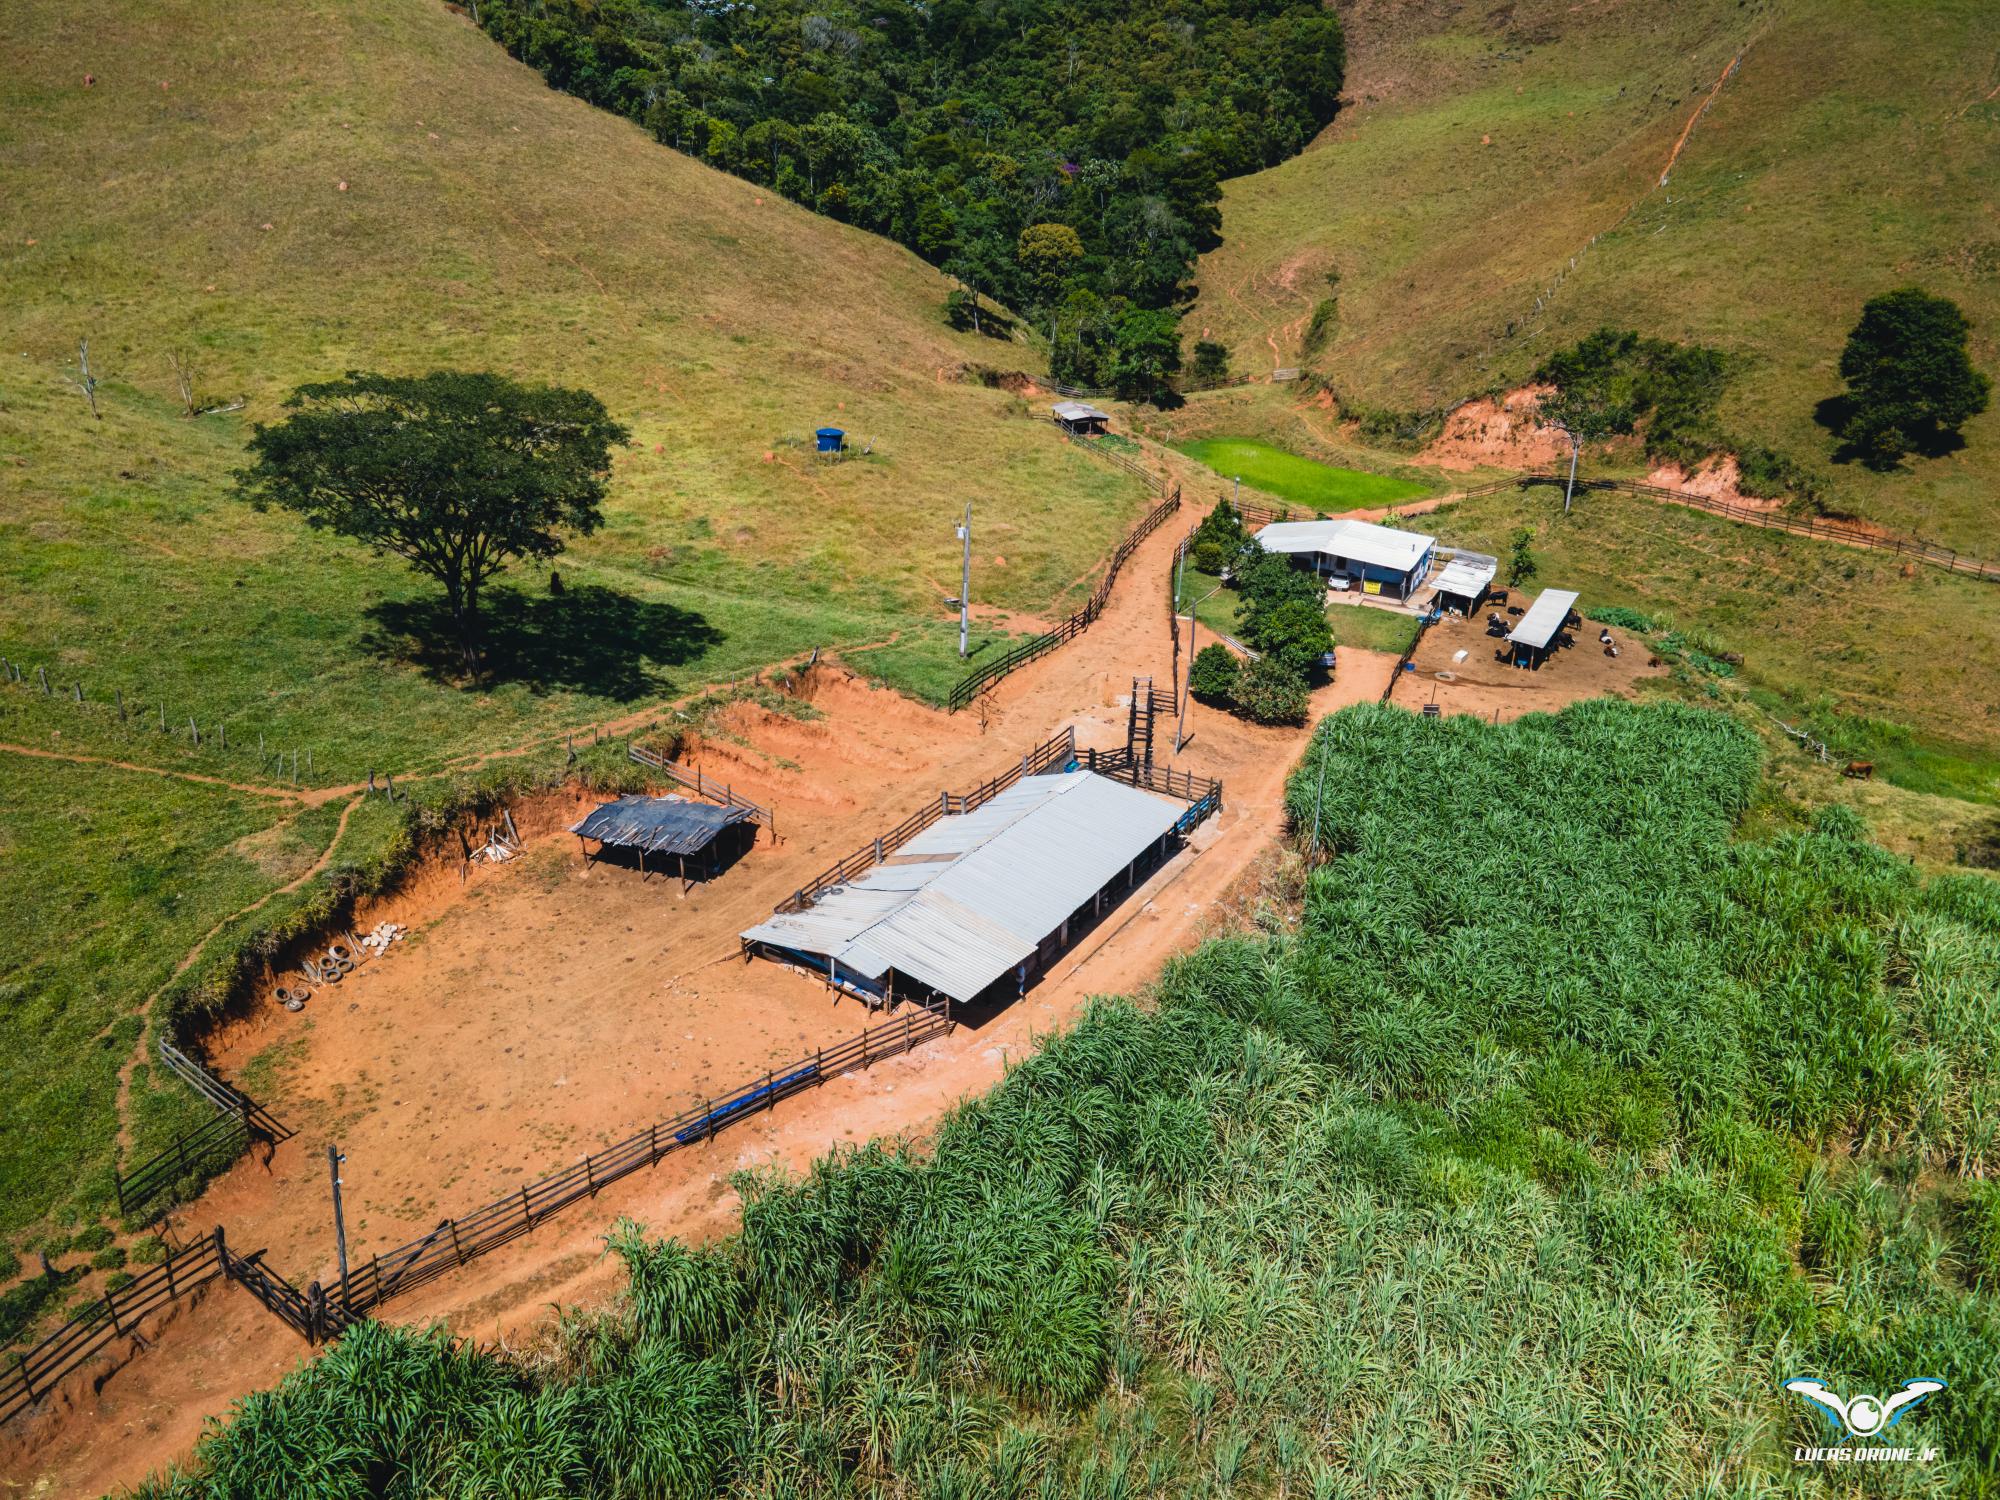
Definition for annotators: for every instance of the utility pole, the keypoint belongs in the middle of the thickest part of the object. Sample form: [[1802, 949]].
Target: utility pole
[[965, 584], [1180, 727], [1575, 450], [333, 1161]]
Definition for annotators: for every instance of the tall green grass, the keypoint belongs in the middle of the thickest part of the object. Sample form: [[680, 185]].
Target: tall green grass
[[1559, 1132]]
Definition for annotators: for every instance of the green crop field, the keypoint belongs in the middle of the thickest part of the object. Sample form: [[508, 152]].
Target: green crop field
[[1295, 480], [1410, 1200], [1494, 190]]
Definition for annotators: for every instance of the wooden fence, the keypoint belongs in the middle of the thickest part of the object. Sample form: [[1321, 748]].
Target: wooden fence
[[114, 1315], [968, 687], [239, 1120], [1103, 449], [702, 786], [1058, 751], [319, 1312], [1845, 533], [1123, 765], [323, 1312]]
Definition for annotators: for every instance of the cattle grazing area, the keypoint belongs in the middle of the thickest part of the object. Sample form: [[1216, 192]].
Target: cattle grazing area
[[1733, 1125]]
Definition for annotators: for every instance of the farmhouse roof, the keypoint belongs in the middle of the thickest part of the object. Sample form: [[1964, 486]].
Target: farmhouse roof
[[975, 893], [1544, 618], [658, 825], [1361, 541]]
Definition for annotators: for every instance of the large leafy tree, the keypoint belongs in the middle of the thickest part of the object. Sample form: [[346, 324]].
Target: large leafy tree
[[1910, 380], [457, 473]]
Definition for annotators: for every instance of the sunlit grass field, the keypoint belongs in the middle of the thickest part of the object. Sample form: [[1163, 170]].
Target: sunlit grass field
[[1493, 191], [1299, 481]]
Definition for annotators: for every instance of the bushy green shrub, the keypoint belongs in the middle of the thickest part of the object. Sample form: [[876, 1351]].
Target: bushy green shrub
[[1618, 617], [1272, 691], [1214, 674]]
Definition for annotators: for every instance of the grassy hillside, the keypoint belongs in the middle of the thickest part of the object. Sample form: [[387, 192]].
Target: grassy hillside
[[278, 192], [1853, 149], [286, 191], [1533, 1171]]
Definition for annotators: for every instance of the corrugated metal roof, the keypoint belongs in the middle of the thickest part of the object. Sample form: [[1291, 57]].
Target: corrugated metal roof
[[1467, 579], [1077, 411], [1013, 869], [1360, 541], [658, 825], [1544, 618]]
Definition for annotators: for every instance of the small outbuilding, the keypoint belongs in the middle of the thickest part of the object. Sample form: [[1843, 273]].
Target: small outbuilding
[[1079, 420], [1461, 585], [701, 838], [1377, 559], [1540, 630]]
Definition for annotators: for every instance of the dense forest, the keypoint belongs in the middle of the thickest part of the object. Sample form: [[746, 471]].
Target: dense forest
[[1530, 1171], [1060, 160]]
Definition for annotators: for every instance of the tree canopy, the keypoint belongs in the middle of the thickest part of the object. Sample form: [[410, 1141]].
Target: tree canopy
[[457, 473], [970, 132], [1911, 383]]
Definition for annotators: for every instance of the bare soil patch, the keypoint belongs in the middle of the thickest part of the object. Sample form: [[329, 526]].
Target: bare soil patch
[[1503, 434], [1455, 668]]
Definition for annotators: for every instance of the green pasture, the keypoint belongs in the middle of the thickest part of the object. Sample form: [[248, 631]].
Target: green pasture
[[1298, 481]]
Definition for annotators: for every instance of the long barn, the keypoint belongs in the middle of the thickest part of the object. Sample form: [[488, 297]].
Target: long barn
[[980, 901]]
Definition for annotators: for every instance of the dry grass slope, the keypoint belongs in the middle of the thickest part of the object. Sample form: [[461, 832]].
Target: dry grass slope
[[288, 190], [1853, 150]]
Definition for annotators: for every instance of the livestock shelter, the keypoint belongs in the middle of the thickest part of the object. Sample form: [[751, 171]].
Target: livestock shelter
[[698, 836], [980, 901], [1079, 420], [1378, 559], [1461, 585], [1540, 630]]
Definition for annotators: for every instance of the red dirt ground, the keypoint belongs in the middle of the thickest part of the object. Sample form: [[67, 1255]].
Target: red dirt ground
[[541, 1011], [1499, 692], [1502, 435]]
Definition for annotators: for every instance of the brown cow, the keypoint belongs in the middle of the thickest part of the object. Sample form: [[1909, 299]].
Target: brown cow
[[1860, 770]]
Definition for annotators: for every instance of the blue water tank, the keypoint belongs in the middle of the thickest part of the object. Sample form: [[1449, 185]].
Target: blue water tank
[[830, 439]]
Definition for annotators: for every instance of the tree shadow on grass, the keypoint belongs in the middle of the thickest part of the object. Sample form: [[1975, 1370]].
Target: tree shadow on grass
[[1927, 441], [587, 639]]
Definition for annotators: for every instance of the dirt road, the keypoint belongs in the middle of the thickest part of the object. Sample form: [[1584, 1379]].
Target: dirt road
[[540, 1011]]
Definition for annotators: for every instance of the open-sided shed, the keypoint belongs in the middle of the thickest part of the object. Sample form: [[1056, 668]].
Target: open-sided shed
[[1080, 420], [670, 827], [1539, 631]]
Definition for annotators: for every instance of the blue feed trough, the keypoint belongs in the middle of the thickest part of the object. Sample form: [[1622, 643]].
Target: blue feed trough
[[830, 439]]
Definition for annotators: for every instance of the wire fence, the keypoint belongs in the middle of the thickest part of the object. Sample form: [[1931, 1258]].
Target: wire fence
[[285, 764], [1058, 751], [973, 683]]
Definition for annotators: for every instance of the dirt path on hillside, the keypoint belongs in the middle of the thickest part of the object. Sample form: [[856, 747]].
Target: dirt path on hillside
[[540, 1010], [286, 794], [122, 1113]]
